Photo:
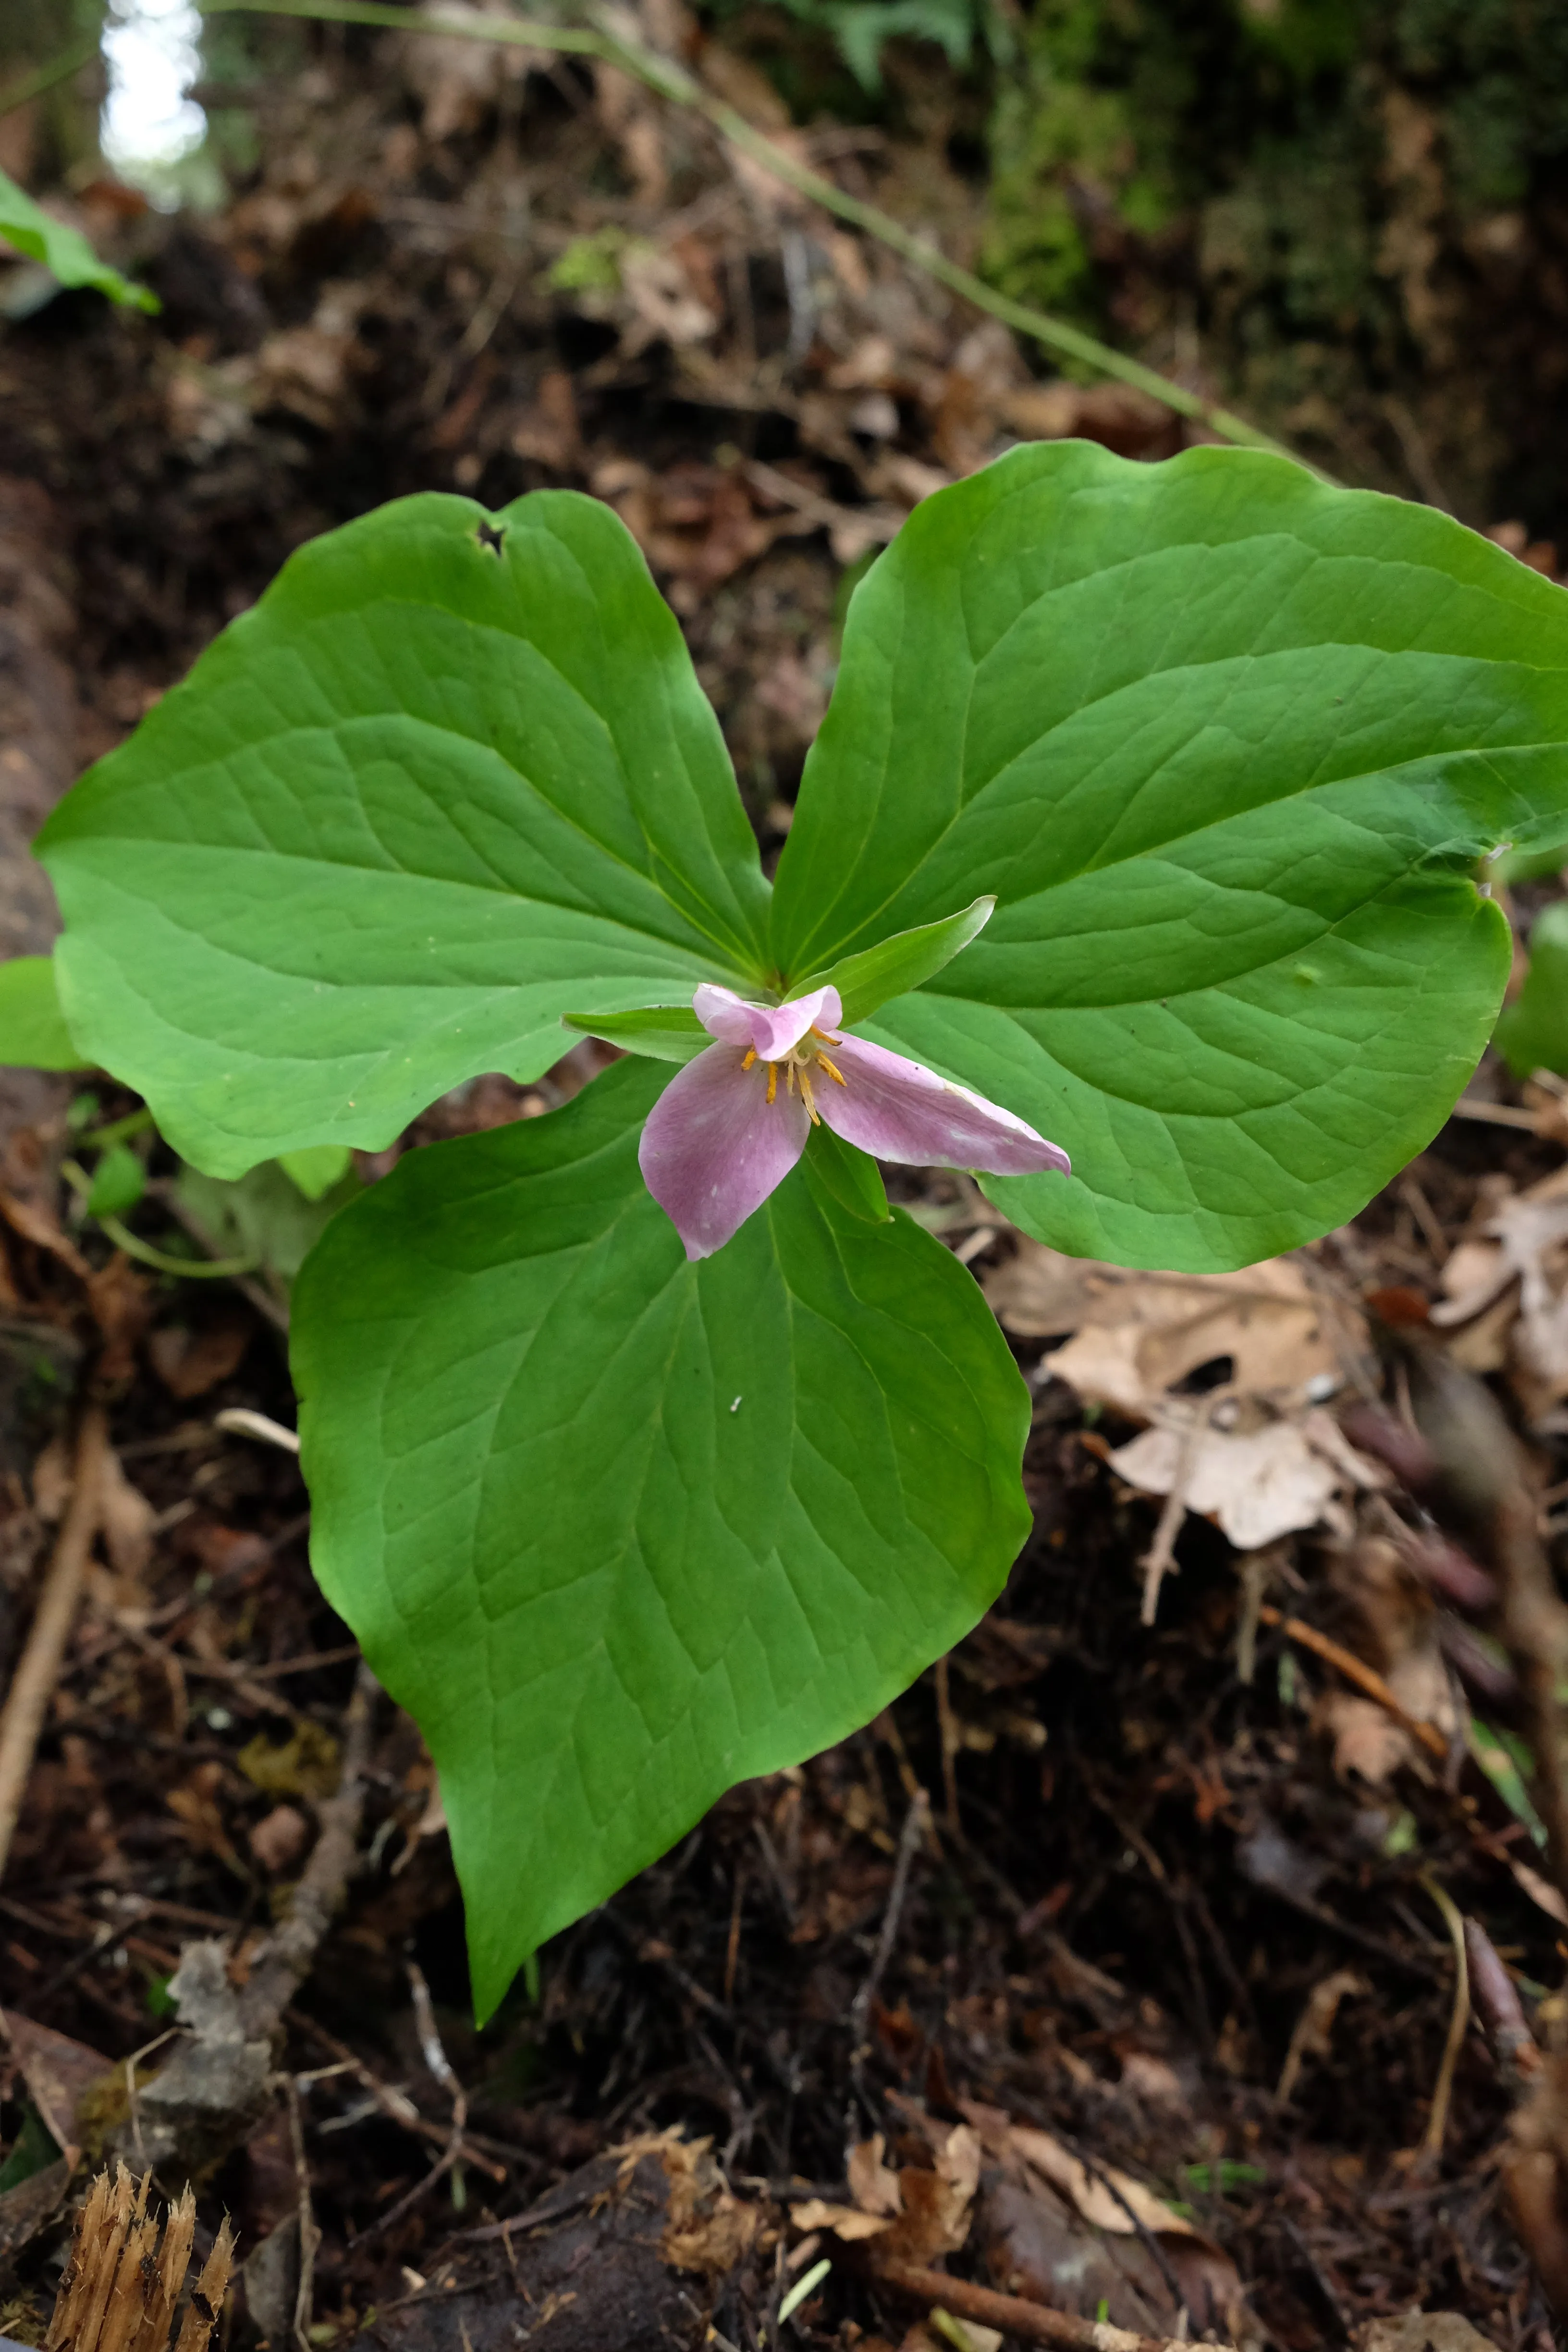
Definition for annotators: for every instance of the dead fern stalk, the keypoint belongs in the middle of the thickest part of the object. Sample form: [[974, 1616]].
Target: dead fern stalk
[[121, 2288]]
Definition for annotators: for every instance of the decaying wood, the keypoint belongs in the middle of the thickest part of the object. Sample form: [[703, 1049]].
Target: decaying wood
[[627, 2253], [121, 2288]]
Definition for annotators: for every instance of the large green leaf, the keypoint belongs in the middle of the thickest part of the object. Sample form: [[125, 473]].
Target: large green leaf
[[1224, 743], [452, 778], [33, 1032], [620, 1530], [63, 250]]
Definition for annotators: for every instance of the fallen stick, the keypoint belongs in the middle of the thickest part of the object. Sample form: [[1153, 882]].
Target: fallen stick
[[283, 1962], [1026, 2322], [1355, 1670], [33, 1685]]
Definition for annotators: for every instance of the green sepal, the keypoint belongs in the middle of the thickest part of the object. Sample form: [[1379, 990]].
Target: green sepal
[[851, 1178], [664, 1033], [33, 1032], [64, 251], [893, 967], [1532, 1033], [317, 1168], [118, 1183]]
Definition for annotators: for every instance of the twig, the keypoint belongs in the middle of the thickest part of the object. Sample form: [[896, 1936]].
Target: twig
[[1495, 1114], [1437, 2120], [672, 81], [916, 1821], [285, 1959], [305, 2221], [1160, 1560], [456, 2150], [242, 1421], [33, 1685], [391, 2100], [1025, 2323], [59, 69], [947, 1725], [1354, 1671]]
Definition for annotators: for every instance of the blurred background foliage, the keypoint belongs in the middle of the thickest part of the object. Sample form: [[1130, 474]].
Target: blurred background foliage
[[1353, 210]]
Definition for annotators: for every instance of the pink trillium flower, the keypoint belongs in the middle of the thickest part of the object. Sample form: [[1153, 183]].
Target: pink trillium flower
[[730, 1126]]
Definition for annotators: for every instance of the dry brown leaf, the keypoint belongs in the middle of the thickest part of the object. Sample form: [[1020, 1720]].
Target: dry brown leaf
[[128, 1519], [1367, 1740], [666, 300], [1138, 1334], [52, 1480], [959, 2162], [872, 2185], [1506, 1294], [1257, 1484], [1421, 2331], [846, 2221], [58, 2074], [1541, 1891], [456, 79], [1312, 2037], [191, 1362], [1110, 2199]]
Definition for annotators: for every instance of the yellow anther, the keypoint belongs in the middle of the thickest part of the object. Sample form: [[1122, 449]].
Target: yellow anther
[[812, 1112], [789, 1075], [773, 1080], [837, 1075], [750, 1058]]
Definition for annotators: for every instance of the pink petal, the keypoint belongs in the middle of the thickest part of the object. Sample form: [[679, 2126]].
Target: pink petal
[[713, 1147], [769, 1030], [898, 1110]]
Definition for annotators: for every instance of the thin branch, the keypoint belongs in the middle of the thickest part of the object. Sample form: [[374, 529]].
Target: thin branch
[[27, 1700], [1356, 1671], [59, 69], [1023, 2322], [672, 81], [286, 1959], [1437, 2121]]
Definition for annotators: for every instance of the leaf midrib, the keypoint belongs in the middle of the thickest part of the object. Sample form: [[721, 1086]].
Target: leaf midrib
[[1192, 666]]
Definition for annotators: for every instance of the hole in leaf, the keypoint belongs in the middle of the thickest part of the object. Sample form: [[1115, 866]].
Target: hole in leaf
[[489, 536], [1204, 1377]]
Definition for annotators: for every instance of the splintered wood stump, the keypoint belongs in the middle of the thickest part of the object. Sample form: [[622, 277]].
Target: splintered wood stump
[[121, 2288]]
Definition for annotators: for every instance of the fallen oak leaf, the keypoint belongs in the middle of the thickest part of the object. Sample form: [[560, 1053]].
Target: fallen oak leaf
[[846, 2221], [872, 2184], [1109, 2199]]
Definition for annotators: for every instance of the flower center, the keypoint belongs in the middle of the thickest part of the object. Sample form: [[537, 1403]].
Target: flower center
[[797, 1065]]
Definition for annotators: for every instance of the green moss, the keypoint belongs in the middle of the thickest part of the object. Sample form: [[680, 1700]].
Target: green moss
[[1334, 192]]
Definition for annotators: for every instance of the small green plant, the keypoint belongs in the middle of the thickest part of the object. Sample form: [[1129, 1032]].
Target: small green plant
[[649, 1449], [63, 250]]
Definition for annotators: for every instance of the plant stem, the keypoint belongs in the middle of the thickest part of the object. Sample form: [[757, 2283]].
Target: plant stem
[[672, 82], [60, 68]]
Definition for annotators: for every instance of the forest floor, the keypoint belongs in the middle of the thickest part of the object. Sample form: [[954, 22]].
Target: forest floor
[[1105, 1968]]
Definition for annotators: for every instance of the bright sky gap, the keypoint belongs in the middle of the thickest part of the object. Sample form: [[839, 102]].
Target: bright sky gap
[[148, 123]]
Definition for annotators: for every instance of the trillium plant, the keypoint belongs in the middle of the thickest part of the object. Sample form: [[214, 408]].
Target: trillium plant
[[647, 1448]]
